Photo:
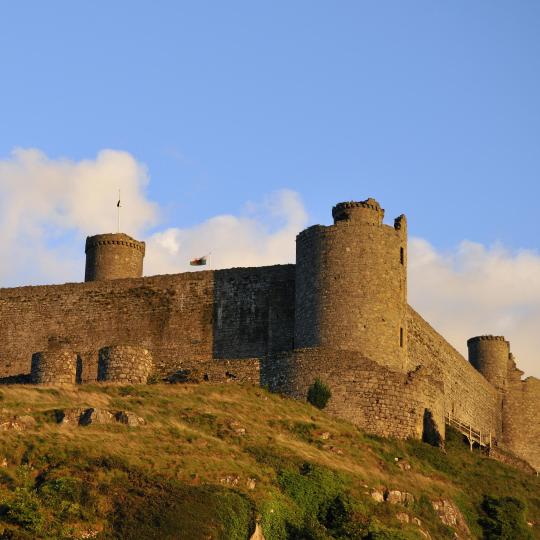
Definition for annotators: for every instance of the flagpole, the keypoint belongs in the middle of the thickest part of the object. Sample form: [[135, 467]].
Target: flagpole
[[118, 214]]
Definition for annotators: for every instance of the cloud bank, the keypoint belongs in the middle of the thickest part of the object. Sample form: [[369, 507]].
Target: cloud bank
[[263, 234], [474, 289], [48, 206]]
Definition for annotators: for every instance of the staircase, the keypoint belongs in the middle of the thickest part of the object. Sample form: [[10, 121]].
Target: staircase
[[474, 436]]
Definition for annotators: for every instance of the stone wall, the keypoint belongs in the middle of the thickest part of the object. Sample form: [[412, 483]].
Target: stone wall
[[244, 370], [351, 290], [124, 364], [467, 394], [176, 317], [521, 415], [54, 366], [381, 401]]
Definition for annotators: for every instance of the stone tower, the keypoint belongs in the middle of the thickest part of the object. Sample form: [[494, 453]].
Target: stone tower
[[489, 355], [113, 256], [351, 284]]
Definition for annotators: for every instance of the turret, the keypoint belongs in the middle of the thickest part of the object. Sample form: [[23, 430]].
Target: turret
[[489, 355], [351, 284], [113, 256]]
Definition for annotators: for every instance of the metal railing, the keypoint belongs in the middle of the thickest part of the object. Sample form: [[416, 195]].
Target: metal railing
[[474, 436]]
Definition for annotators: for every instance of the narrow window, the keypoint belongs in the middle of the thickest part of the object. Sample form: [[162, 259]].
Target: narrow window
[[401, 256], [401, 337]]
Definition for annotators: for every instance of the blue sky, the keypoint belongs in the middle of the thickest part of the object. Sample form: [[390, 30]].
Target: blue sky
[[432, 107], [231, 125]]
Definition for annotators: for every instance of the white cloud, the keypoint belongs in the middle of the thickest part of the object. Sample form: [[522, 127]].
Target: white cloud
[[48, 206], [264, 234], [473, 290]]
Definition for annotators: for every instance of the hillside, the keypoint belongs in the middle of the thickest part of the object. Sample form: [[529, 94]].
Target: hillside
[[211, 461]]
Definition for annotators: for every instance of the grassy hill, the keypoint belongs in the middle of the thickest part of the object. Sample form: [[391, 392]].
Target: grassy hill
[[211, 461]]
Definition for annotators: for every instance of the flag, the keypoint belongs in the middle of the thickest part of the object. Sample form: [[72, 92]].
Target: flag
[[198, 262]]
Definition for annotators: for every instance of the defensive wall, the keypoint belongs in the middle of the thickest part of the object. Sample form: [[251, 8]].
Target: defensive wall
[[340, 315], [183, 319]]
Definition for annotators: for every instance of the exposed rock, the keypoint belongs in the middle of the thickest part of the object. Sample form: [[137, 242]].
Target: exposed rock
[[251, 483], [450, 515], [230, 480], [258, 534], [378, 495], [237, 428], [129, 418], [96, 416], [404, 465], [402, 517], [85, 416], [17, 423], [325, 435], [69, 417], [399, 497]]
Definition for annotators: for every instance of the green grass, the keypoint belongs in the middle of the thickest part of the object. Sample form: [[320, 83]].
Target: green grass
[[190, 473]]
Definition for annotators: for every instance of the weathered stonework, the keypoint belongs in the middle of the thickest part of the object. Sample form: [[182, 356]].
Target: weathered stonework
[[467, 394], [381, 401], [113, 256], [489, 355], [340, 314], [124, 364], [54, 366]]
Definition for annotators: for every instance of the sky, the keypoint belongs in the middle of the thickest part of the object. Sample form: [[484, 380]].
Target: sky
[[230, 126]]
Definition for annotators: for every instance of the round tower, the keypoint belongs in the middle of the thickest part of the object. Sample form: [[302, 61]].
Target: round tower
[[124, 364], [113, 256], [351, 284], [54, 366], [489, 355]]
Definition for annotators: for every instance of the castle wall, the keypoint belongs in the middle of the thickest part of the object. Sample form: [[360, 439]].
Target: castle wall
[[521, 416], [377, 399], [468, 396], [176, 317], [351, 285]]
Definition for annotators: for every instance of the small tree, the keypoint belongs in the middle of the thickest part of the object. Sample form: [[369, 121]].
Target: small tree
[[319, 394]]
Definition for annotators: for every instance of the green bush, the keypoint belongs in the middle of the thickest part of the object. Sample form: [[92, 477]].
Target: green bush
[[23, 509], [504, 519], [319, 394]]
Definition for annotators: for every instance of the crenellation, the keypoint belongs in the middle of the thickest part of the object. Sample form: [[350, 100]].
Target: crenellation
[[340, 314]]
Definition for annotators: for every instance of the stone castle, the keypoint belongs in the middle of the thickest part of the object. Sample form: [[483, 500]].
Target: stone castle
[[340, 314]]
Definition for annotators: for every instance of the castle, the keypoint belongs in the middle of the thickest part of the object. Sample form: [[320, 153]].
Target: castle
[[340, 314]]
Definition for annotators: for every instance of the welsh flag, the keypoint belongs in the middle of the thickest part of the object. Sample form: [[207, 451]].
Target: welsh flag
[[198, 262]]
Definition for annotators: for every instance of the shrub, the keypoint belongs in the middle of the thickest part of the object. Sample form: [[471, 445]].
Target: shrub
[[319, 394], [504, 519], [24, 510]]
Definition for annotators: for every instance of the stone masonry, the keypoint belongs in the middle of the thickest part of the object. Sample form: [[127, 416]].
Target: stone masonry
[[54, 366], [124, 364], [339, 315]]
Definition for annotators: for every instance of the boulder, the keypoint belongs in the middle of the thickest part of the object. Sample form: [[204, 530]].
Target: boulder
[[129, 419]]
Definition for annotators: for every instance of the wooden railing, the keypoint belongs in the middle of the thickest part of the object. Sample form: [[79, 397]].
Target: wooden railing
[[482, 438]]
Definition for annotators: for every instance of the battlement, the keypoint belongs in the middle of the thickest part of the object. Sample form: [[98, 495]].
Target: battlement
[[368, 211], [118, 239], [488, 337]]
